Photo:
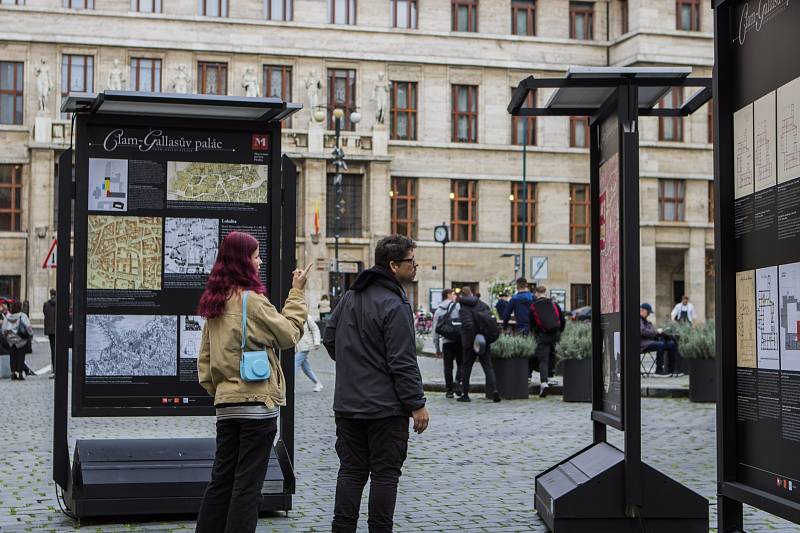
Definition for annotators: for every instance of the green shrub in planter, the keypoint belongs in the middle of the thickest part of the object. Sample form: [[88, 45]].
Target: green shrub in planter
[[510, 354], [574, 353], [698, 342], [576, 341], [513, 346]]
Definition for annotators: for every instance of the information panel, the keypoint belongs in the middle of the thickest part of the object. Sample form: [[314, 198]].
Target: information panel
[[153, 204], [766, 205]]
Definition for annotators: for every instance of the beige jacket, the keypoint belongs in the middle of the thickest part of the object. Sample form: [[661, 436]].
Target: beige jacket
[[221, 347]]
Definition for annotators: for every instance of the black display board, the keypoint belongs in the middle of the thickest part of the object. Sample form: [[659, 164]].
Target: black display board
[[153, 202], [757, 175]]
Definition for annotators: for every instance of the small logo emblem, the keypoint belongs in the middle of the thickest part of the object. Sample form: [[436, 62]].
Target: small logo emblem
[[260, 142]]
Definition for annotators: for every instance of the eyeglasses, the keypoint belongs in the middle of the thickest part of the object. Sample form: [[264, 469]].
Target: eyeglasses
[[413, 261]]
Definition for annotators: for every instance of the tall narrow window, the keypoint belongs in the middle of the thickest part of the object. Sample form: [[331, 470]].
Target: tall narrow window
[[581, 21], [580, 295], [145, 75], [404, 110], [671, 128], [342, 95], [710, 119], [10, 197], [523, 17], [464, 15], [278, 84], [77, 75], [146, 6], [351, 206], [579, 132], [78, 4], [10, 286], [671, 200], [579, 214], [711, 203], [278, 10], [212, 78], [342, 12], [464, 210], [11, 92], [523, 212], [519, 125], [465, 113], [623, 17], [404, 14], [212, 8], [404, 206], [687, 14]]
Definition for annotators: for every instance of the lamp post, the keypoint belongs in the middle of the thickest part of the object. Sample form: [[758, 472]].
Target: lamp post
[[441, 234], [524, 193]]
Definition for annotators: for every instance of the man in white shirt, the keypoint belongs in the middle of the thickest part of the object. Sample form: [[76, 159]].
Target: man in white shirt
[[683, 311]]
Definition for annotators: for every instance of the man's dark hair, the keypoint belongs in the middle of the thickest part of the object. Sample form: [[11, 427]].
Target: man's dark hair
[[466, 291], [392, 248], [446, 293], [52, 293], [504, 295], [522, 283], [16, 307]]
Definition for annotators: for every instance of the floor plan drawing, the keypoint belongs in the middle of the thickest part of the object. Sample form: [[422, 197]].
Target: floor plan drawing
[[789, 284], [108, 184], [743, 151], [124, 252], [190, 245], [745, 319], [191, 333], [131, 345], [788, 105], [764, 144], [767, 318], [217, 182]]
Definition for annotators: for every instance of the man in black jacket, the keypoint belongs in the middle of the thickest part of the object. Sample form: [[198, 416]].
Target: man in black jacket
[[471, 306], [370, 335], [547, 323]]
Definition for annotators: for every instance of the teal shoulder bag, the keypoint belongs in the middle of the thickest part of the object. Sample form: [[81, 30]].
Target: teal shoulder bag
[[254, 366]]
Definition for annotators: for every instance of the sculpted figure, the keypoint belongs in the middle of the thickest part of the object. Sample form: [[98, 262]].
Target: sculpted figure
[[44, 83]]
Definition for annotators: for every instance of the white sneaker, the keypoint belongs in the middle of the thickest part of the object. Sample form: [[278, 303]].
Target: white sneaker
[[318, 387]]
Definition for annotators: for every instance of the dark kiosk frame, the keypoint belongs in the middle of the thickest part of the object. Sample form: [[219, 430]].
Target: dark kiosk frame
[[161, 476], [602, 489], [750, 61]]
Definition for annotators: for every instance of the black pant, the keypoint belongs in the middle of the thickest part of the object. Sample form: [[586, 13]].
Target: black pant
[[486, 363], [451, 352], [544, 356], [16, 357], [671, 349], [52, 352], [374, 449], [233, 495]]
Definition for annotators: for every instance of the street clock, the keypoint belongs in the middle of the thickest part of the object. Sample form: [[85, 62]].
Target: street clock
[[441, 234]]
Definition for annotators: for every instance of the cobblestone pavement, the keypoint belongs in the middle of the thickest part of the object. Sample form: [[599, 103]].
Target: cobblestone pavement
[[471, 471]]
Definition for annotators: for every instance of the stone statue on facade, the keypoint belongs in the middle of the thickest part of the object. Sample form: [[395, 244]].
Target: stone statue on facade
[[44, 84], [180, 83], [250, 82], [380, 94], [314, 89], [115, 79]]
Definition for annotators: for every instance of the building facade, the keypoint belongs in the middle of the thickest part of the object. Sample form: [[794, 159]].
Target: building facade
[[430, 81]]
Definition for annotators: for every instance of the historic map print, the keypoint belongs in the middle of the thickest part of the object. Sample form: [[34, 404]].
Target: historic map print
[[609, 236], [191, 335], [743, 151], [767, 318], [108, 184], [217, 182], [131, 345], [746, 319], [124, 253], [788, 123], [765, 142], [190, 245], [789, 285]]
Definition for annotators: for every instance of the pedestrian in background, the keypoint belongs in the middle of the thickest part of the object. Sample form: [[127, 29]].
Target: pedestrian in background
[[472, 327], [49, 311], [17, 332], [449, 349], [547, 323], [501, 307], [310, 341], [247, 411], [651, 339], [370, 335], [519, 306], [683, 311], [324, 307]]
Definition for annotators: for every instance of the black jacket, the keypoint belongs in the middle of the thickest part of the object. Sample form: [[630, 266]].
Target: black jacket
[[470, 306], [370, 335], [548, 337], [49, 311]]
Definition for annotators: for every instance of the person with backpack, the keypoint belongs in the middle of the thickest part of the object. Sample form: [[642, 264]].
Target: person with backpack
[[547, 323], [478, 331], [447, 340], [17, 331]]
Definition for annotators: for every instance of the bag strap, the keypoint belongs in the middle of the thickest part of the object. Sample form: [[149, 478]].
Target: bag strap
[[244, 319]]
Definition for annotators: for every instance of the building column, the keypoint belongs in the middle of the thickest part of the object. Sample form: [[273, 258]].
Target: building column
[[647, 266], [694, 269], [41, 230], [314, 189]]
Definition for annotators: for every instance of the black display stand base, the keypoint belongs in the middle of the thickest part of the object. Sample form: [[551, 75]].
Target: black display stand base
[[153, 477], [586, 494]]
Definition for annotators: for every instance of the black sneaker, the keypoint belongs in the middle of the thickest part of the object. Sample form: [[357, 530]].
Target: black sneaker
[[463, 398], [496, 397], [449, 394]]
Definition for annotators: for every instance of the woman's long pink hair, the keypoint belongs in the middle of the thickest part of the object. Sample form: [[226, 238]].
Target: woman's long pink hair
[[233, 269]]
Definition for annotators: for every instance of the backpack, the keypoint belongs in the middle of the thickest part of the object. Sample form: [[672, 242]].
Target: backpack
[[448, 327], [486, 325], [22, 331], [546, 315]]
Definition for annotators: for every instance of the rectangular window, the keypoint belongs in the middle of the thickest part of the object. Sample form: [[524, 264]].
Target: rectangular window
[[77, 75], [687, 14], [465, 113], [342, 12], [623, 17], [278, 84], [10, 197], [11, 92], [523, 212], [465, 15], [579, 132], [212, 78], [710, 125], [523, 17], [581, 21], [671, 200], [404, 110], [145, 75], [404, 14], [671, 128], [341, 95], [278, 10], [212, 8], [404, 206], [12, 2], [350, 220], [711, 201], [464, 210], [78, 4], [146, 6], [580, 215], [580, 295], [9, 286], [524, 128]]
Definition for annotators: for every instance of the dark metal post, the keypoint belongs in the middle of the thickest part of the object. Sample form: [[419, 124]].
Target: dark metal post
[[444, 246], [524, 192], [338, 160]]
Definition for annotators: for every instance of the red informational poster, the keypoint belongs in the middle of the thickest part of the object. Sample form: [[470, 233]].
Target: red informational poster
[[609, 236]]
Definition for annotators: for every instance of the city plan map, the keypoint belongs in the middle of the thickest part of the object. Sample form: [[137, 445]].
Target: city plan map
[[124, 252], [217, 182], [131, 345]]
